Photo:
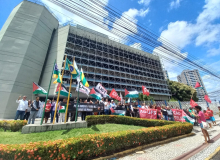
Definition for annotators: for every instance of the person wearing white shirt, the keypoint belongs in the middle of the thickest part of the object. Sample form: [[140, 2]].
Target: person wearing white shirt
[[106, 107], [28, 110], [144, 106], [22, 106]]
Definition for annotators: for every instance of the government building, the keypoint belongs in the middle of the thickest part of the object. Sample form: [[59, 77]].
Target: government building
[[32, 39], [190, 77]]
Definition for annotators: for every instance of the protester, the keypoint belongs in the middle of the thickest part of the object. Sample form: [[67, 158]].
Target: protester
[[22, 106], [170, 114], [62, 110], [53, 107], [106, 107], [159, 113], [47, 110], [144, 106], [219, 110], [164, 113], [135, 109], [210, 112], [34, 109], [83, 117], [201, 118], [112, 104], [207, 117], [27, 111]]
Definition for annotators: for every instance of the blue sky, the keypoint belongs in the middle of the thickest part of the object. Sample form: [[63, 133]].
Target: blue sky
[[194, 26]]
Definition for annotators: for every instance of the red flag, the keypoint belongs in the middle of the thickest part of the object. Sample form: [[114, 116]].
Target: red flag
[[112, 110], [206, 97], [193, 103], [197, 85], [114, 95], [145, 91]]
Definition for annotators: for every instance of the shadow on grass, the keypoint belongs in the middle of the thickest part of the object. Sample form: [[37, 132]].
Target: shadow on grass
[[66, 131], [95, 128]]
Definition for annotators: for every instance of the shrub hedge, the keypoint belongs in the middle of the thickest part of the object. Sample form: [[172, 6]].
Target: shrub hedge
[[90, 146], [12, 125]]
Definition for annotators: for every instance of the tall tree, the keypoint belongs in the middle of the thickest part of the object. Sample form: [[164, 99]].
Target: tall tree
[[182, 91]]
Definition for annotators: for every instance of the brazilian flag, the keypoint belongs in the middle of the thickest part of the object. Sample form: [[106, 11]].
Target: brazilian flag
[[83, 79], [72, 68]]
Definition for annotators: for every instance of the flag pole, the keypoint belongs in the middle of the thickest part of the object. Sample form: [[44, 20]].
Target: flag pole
[[76, 116], [58, 96], [42, 118], [67, 105]]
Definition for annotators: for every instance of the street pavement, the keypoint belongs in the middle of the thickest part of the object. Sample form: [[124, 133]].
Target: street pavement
[[174, 149]]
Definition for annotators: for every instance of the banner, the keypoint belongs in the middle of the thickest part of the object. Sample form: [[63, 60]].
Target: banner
[[148, 113], [82, 88], [99, 88], [178, 115]]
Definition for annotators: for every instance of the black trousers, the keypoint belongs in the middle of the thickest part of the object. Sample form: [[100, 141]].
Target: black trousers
[[26, 115]]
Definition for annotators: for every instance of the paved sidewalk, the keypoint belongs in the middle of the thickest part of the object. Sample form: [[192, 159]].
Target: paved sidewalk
[[177, 148]]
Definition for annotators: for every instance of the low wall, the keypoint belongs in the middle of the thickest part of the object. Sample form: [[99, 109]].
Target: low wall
[[33, 128]]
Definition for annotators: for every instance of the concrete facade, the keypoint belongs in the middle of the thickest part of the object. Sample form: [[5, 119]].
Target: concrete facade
[[190, 77], [23, 51], [166, 74], [114, 65]]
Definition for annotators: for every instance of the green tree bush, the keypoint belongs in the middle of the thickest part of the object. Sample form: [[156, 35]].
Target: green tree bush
[[182, 91]]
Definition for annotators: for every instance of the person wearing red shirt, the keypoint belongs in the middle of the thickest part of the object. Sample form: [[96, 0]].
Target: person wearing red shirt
[[47, 110], [207, 117], [210, 112]]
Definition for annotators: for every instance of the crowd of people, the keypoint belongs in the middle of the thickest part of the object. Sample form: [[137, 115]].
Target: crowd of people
[[29, 109]]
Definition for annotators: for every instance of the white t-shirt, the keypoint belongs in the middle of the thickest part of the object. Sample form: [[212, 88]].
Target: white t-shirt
[[132, 109], [22, 105], [106, 105], [28, 109]]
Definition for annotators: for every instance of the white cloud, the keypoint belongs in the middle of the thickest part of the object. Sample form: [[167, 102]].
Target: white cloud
[[204, 31], [174, 4], [143, 13], [145, 2], [180, 33], [214, 52], [137, 46]]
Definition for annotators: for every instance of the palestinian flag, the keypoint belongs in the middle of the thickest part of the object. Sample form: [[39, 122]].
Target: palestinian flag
[[95, 94], [38, 89], [63, 90], [188, 117], [62, 109], [197, 86], [131, 93]]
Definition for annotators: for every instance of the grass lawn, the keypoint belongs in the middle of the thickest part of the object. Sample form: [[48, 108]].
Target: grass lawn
[[18, 138]]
